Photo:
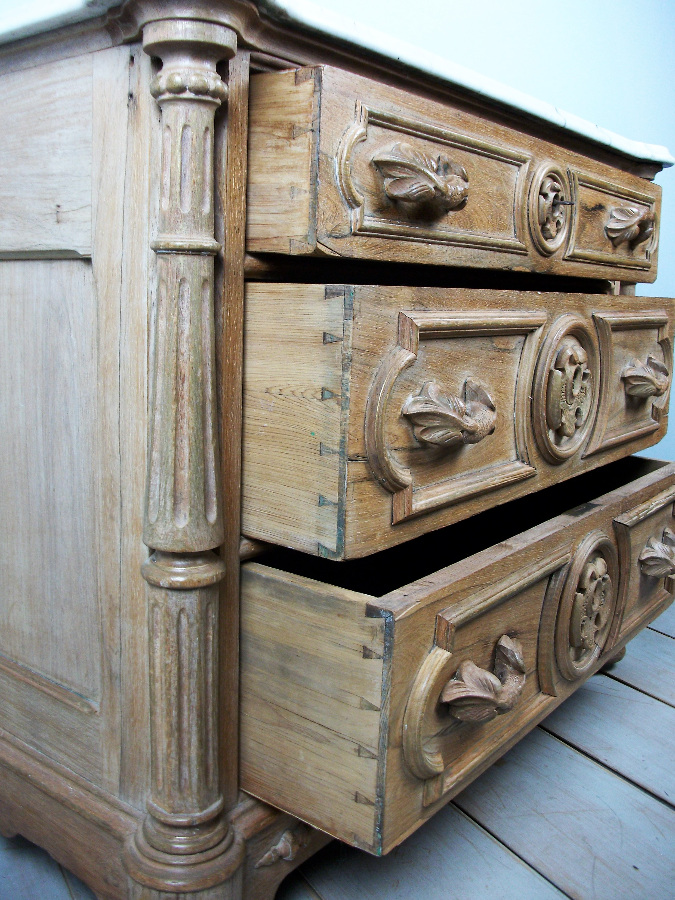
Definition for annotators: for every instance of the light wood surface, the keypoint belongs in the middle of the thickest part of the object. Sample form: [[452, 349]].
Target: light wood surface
[[339, 457], [451, 854], [125, 167], [46, 160], [343, 165], [359, 736]]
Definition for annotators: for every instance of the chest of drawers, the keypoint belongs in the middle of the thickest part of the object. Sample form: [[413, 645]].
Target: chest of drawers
[[265, 296]]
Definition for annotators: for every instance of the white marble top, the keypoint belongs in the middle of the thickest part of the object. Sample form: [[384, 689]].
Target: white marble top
[[33, 16]]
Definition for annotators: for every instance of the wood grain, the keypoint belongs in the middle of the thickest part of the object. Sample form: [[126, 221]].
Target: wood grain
[[323, 141], [348, 730], [46, 179], [332, 465], [571, 816]]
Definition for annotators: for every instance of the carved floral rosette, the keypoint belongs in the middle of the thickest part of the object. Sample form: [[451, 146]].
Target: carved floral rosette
[[549, 207], [566, 388], [587, 606]]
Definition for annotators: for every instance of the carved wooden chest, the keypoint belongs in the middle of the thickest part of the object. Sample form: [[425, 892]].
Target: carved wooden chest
[[268, 294]]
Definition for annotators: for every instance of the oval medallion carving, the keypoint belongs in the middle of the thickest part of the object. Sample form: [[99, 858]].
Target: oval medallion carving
[[549, 209], [587, 606], [565, 389]]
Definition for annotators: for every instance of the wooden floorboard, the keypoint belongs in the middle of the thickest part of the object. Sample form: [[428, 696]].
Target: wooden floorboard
[[448, 857], [665, 622], [593, 834], [629, 732], [28, 873], [571, 811], [649, 666]]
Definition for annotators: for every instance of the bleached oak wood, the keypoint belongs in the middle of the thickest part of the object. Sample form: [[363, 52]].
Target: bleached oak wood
[[46, 160], [95, 735], [333, 154], [347, 728], [333, 464], [185, 841]]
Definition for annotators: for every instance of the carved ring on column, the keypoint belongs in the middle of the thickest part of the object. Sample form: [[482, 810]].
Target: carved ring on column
[[565, 391], [549, 207], [587, 606]]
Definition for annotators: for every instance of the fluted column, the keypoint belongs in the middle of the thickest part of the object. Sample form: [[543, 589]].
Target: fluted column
[[185, 844]]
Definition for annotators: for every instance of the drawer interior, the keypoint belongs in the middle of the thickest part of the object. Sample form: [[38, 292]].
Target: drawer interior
[[394, 567]]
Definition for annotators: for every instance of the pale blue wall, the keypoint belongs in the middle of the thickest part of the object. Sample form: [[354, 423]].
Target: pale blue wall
[[610, 61]]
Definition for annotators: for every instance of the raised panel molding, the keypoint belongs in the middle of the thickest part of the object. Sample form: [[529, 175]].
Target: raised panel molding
[[364, 222], [603, 250], [644, 411], [427, 716], [408, 499]]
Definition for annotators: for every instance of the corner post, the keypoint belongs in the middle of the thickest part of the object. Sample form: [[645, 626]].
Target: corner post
[[186, 845]]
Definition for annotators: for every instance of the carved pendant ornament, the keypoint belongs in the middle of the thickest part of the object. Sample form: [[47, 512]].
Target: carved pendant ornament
[[549, 209], [648, 379], [590, 610], [587, 606], [565, 389], [630, 225], [476, 695], [412, 177], [569, 389], [447, 420]]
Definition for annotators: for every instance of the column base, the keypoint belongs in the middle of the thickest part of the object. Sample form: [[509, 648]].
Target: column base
[[160, 876]]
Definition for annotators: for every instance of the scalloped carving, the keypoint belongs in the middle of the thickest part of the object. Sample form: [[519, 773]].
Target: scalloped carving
[[548, 209], [569, 392], [411, 176], [476, 695], [630, 225], [658, 557], [447, 420], [650, 379], [587, 606]]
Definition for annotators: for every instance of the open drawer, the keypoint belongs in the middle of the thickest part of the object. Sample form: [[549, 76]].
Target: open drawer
[[373, 691], [343, 166], [374, 414]]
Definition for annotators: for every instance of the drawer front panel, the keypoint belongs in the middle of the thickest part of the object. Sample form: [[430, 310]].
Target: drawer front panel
[[389, 412], [362, 715], [646, 540], [341, 165]]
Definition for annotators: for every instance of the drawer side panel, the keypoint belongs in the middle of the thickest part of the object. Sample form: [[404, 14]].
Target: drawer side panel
[[296, 339], [311, 693]]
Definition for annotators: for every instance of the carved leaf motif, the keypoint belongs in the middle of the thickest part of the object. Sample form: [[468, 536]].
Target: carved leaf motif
[[629, 225], [447, 420], [287, 847], [411, 176], [476, 695], [658, 557], [650, 379]]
